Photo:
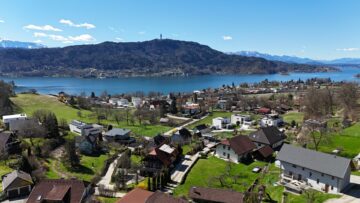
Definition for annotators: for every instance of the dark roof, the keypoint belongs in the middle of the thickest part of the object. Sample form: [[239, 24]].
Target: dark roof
[[160, 197], [4, 137], [215, 195], [185, 133], [159, 139], [9, 178], [136, 195], [321, 162], [54, 189], [117, 132], [267, 135], [241, 144], [201, 127], [266, 151]]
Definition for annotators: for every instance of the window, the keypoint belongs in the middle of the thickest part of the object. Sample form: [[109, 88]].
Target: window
[[317, 181], [322, 174], [332, 187], [310, 174], [224, 154], [228, 147], [294, 166], [224, 146], [303, 168], [290, 173], [332, 177]]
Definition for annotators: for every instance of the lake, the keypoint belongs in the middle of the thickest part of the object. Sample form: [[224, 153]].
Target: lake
[[161, 84]]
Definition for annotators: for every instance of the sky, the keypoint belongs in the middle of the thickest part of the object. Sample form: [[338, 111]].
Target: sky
[[318, 29]]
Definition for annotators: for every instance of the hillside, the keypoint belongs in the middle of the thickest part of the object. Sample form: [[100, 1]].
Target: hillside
[[155, 57]]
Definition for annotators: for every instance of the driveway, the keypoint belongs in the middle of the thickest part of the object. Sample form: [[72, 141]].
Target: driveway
[[352, 195]]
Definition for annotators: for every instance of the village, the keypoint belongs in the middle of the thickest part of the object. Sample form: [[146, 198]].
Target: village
[[294, 141]]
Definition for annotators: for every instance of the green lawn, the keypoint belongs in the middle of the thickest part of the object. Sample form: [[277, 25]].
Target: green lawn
[[29, 103], [202, 173], [89, 167], [348, 140], [135, 159], [107, 199], [296, 116], [4, 169]]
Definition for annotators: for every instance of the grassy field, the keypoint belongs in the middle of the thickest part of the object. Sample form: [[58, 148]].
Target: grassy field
[[107, 199], [4, 169], [29, 103], [296, 116], [348, 140], [202, 173]]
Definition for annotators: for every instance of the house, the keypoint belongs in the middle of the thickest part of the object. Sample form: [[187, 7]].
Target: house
[[113, 101], [212, 195], [238, 119], [271, 120], [191, 108], [220, 123], [324, 172], [84, 129], [203, 131], [27, 128], [59, 190], [237, 149], [263, 111], [181, 137], [16, 184], [123, 102], [139, 195], [268, 136], [162, 156], [9, 143], [87, 144], [136, 101], [222, 104], [7, 118], [119, 135]]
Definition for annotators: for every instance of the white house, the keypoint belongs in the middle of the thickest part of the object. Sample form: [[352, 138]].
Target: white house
[[271, 120], [113, 101], [84, 129], [324, 172], [13, 118], [123, 102], [220, 122], [136, 101], [235, 149]]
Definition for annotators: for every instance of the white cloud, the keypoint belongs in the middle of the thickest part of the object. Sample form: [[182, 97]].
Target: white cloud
[[141, 32], [40, 34], [66, 40], [2, 21], [226, 37], [38, 41], [82, 38], [119, 39], [72, 24], [42, 28], [349, 49]]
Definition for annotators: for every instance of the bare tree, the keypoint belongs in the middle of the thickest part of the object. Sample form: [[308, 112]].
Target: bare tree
[[348, 97]]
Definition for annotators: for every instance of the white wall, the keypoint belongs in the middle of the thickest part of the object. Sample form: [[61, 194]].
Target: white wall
[[223, 153], [337, 183]]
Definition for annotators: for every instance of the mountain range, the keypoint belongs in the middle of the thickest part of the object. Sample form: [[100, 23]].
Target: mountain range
[[148, 58], [6, 44], [295, 59]]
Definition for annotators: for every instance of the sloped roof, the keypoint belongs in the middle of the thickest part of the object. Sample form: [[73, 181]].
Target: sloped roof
[[117, 132], [266, 151], [324, 163], [268, 135], [160, 197], [9, 178], [4, 137], [241, 144], [215, 195], [45, 188], [136, 195]]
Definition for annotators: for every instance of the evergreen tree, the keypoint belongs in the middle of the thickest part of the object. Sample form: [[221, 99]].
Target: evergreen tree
[[71, 157]]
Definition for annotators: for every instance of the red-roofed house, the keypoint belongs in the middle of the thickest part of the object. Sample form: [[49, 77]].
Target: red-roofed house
[[236, 149]]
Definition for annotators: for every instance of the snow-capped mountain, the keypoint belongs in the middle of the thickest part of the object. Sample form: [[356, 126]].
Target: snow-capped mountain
[[5, 44], [295, 59]]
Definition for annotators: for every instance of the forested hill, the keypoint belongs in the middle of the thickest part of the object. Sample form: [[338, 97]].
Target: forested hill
[[155, 57]]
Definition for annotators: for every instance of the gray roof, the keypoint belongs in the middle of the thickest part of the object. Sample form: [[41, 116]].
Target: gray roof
[[267, 135], [324, 163], [10, 177], [117, 132]]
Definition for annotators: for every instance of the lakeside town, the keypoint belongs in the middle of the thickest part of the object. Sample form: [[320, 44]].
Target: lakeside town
[[294, 141]]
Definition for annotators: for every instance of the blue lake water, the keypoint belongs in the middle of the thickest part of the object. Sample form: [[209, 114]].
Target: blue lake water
[[161, 84]]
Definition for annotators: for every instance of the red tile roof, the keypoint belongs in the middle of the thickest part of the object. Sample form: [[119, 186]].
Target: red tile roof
[[215, 195], [241, 144], [160, 197]]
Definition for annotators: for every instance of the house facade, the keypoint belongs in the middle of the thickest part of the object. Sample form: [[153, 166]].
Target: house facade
[[9, 143], [220, 122], [235, 149], [16, 184], [320, 171], [271, 120], [84, 129], [7, 118]]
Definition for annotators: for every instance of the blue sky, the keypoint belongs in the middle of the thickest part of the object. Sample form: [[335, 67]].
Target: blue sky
[[319, 29]]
